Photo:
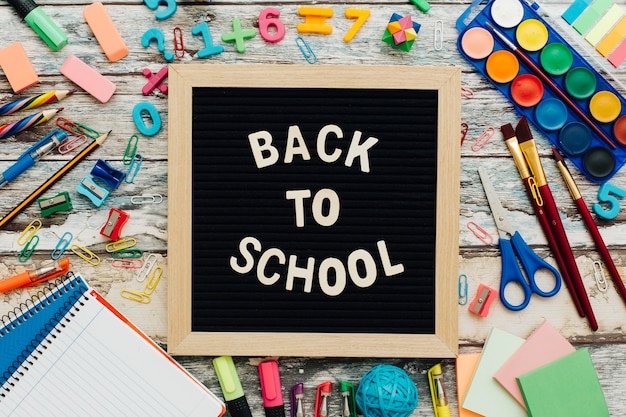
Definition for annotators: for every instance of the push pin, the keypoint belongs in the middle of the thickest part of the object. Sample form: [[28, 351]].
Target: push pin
[[111, 176], [155, 81], [113, 226], [484, 296], [92, 191], [321, 399]]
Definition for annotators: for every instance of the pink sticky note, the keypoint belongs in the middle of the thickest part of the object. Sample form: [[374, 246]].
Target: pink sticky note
[[618, 55], [88, 78]]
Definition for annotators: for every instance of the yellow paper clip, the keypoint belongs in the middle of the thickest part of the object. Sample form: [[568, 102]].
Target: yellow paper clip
[[121, 244], [71, 144], [64, 242], [131, 150], [85, 254], [133, 168], [28, 250], [306, 50], [463, 287], [147, 267], [483, 138], [153, 280], [29, 232], [438, 42], [147, 198], [135, 296], [598, 273], [127, 263]]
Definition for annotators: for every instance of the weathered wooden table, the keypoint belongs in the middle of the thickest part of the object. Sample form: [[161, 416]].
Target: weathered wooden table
[[480, 262]]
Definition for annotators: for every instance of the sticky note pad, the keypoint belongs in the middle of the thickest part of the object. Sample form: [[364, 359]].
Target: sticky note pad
[[589, 17], [574, 10], [105, 31], [465, 366], [607, 21], [618, 55], [610, 41], [568, 386], [88, 78], [17, 67]]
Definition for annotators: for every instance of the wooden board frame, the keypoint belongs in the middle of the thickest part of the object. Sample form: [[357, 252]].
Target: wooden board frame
[[182, 340]]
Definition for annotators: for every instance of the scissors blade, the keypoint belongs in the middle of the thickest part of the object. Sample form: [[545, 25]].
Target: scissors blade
[[498, 212]]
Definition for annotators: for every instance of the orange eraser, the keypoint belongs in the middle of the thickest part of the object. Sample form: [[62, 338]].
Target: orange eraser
[[105, 31], [88, 78], [17, 67]]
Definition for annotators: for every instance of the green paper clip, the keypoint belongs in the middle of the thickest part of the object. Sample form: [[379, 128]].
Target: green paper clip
[[348, 402], [28, 249], [131, 150], [127, 254]]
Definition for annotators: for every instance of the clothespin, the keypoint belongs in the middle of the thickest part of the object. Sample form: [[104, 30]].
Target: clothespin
[[348, 403], [321, 398], [296, 400]]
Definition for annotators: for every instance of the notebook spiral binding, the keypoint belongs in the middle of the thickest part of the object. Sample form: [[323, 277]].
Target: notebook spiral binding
[[42, 340]]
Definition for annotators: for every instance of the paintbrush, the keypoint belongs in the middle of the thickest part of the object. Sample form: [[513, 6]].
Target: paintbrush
[[557, 90], [530, 185], [529, 149]]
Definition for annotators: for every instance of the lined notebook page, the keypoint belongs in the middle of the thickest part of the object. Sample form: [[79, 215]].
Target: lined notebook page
[[97, 365]]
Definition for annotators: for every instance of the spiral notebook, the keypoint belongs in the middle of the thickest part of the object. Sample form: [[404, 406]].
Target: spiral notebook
[[67, 352]]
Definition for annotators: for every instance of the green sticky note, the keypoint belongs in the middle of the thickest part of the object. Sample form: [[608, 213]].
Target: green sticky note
[[593, 12], [566, 387]]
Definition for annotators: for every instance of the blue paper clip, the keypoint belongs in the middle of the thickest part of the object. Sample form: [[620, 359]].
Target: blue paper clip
[[306, 50], [92, 191], [28, 250], [462, 289], [64, 242], [134, 168], [111, 176]]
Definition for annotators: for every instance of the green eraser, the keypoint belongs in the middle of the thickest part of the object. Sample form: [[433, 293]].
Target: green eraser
[[422, 5]]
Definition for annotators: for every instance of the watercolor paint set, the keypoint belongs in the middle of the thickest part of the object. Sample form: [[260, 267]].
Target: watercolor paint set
[[549, 82]]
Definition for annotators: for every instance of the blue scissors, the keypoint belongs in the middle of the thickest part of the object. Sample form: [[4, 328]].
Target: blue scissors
[[512, 247]]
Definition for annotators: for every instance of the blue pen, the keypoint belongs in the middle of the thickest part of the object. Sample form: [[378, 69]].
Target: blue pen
[[32, 155]]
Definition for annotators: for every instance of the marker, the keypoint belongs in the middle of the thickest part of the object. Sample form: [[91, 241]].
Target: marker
[[40, 22], [321, 398], [231, 387], [44, 273], [437, 391], [271, 389], [296, 400], [421, 4]]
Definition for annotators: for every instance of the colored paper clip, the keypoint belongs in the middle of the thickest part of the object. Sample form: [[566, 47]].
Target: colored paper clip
[[598, 273], [296, 400], [63, 243], [127, 263], [306, 50], [131, 150], [60, 202], [179, 46], [481, 303], [133, 168], [127, 254], [467, 92], [153, 280], [322, 394], [464, 129], [147, 198], [463, 288], [85, 254], [483, 138], [479, 232], [71, 144], [92, 191], [348, 403], [109, 175], [438, 42], [28, 249], [135, 296], [87, 131], [121, 244], [29, 232], [69, 126], [147, 267], [113, 226]]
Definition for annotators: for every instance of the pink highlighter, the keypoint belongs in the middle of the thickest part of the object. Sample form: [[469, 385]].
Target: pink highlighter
[[271, 389]]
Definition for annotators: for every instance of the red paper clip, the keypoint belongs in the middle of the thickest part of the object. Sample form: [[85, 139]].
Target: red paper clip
[[179, 46], [480, 233], [466, 92], [464, 129], [483, 138]]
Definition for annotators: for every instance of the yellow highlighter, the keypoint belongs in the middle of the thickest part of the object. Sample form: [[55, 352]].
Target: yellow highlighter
[[438, 392]]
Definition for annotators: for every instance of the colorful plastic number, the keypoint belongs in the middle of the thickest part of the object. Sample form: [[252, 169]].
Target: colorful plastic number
[[238, 36], [202, 28], [315, 20], [268, 19], [170, 8], [606, 194], [361, 16]]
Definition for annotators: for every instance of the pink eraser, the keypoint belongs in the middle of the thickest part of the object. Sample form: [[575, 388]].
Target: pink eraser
[[105, 31], [88, 78], [17, 67]]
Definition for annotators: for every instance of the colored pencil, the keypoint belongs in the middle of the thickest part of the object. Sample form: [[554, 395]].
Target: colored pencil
[[34, 101], [529, 183], [34, 119], [529, 148], [539, 73], [590, 223], [54, 178]]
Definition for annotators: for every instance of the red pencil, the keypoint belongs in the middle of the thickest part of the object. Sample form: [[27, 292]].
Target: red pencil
[[590, 223], [529, 148], [535, 199]]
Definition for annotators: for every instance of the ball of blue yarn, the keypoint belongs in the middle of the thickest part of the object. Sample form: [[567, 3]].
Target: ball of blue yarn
[[386, 391]]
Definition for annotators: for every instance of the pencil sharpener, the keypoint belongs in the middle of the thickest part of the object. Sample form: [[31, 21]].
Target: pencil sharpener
[[109, 175], [92, 191], [60, 202], [481, 303], [113, 226]]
